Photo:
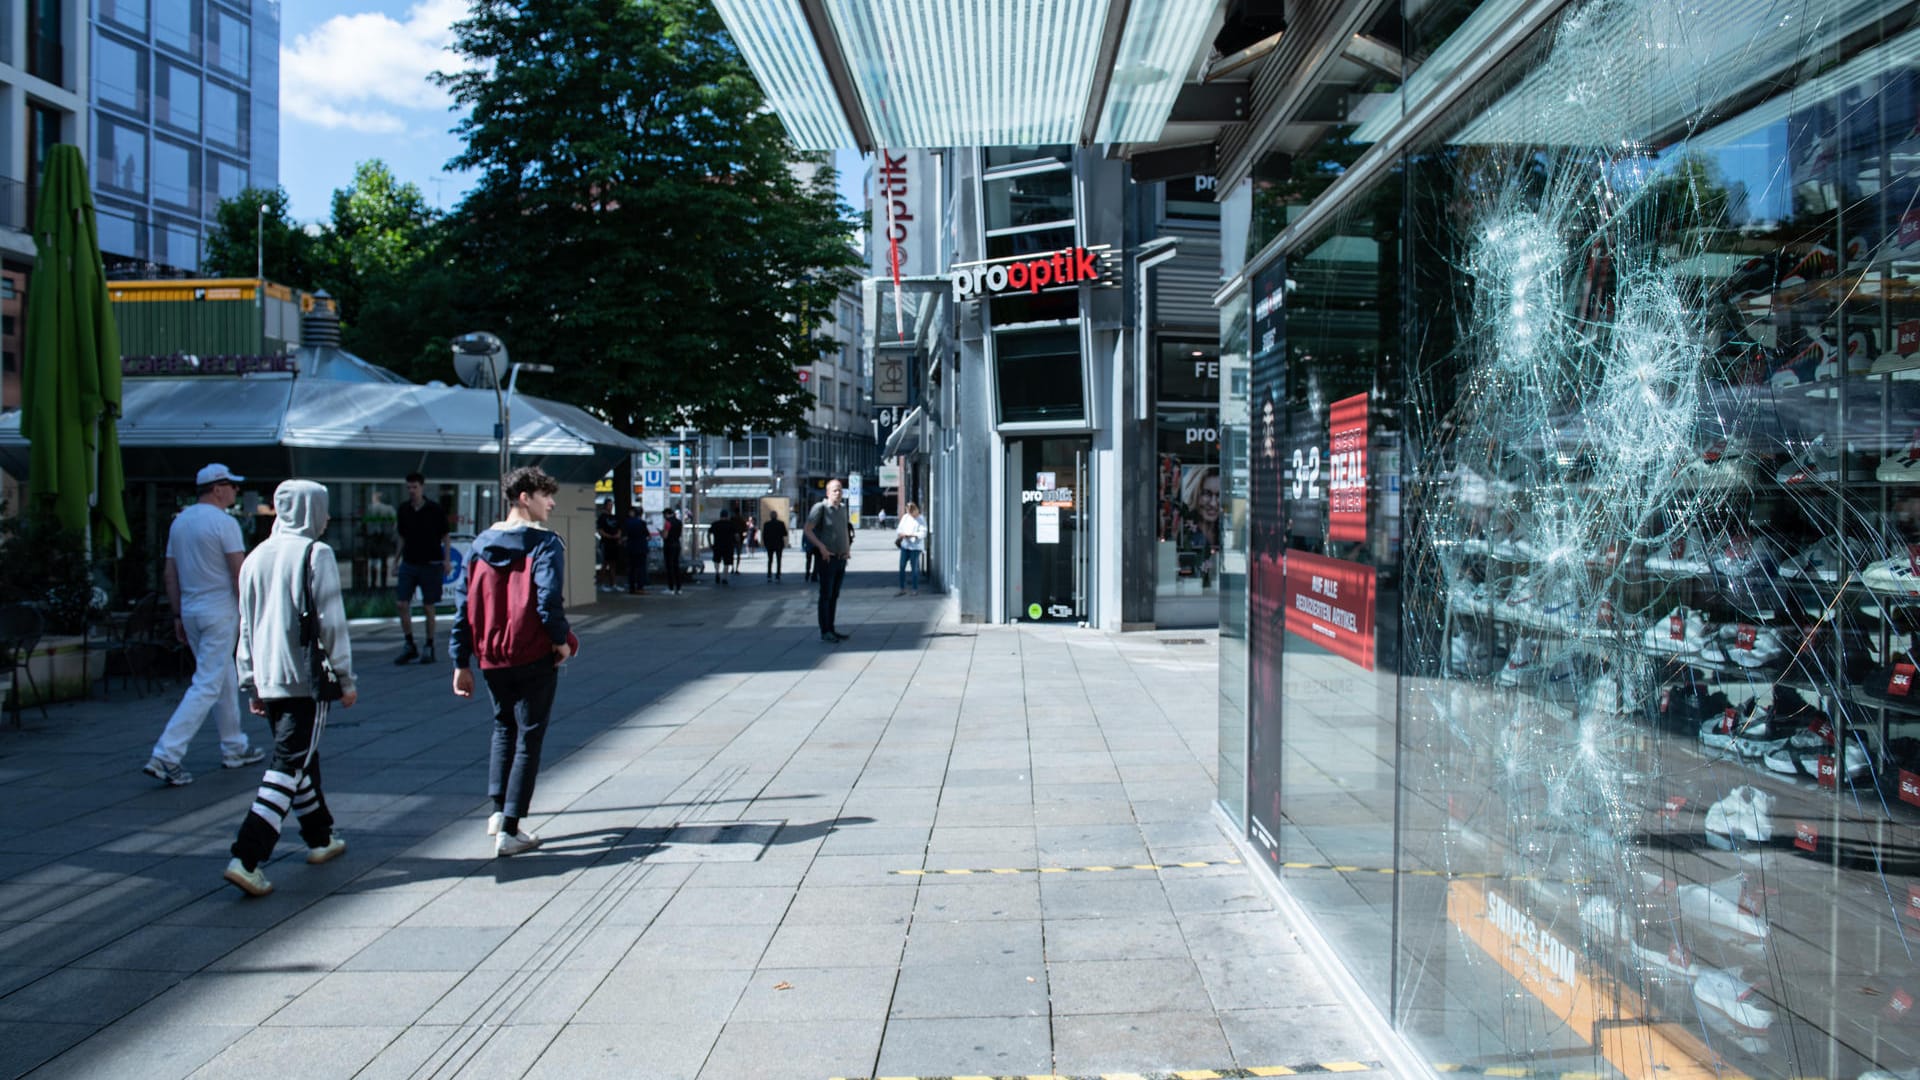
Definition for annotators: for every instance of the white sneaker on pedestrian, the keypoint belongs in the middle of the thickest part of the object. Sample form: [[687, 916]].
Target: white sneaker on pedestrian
[[514, 843], [493, 823], [252, 882], [335, 847], [252, 755]]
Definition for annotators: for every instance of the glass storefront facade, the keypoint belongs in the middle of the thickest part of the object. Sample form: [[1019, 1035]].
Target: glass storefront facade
[[1571, 540]]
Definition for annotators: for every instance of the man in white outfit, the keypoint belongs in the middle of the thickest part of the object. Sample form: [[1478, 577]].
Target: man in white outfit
[[204, 553]]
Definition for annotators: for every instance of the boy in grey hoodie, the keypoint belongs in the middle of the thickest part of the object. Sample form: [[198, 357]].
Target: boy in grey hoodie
[[275, 672]]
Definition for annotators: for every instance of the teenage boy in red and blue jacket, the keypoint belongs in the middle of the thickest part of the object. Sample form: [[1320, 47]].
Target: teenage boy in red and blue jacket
[[509, 614]]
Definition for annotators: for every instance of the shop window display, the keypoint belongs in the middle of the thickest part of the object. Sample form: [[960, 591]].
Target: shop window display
[[1659, 731]]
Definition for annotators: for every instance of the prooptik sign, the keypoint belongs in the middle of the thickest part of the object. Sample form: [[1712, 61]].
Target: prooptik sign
[[1073, 266]]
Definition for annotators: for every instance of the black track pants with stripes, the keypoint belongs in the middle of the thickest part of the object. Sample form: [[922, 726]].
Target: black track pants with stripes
[[292, 783]]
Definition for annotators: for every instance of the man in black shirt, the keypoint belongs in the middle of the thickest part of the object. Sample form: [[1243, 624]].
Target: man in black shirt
[[423, 563]]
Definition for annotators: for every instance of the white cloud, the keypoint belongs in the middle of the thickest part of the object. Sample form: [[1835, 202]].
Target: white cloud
[[363, 72]]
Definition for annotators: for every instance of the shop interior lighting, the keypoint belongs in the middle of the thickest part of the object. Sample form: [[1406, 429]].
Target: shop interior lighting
[[1691, 58], [774, 38], [937, 73], [1160, 41]]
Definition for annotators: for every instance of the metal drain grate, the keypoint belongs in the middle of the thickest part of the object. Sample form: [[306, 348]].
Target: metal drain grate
[[716, 841]]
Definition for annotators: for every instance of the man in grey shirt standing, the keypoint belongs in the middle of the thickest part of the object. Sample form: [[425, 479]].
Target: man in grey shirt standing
[[829, 534]]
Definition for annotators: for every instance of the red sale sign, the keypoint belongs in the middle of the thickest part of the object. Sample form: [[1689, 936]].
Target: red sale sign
[[1330, 603], [1909, 787], [1805, 836], [1899, 1007], [1347, 469], [1913, 901]]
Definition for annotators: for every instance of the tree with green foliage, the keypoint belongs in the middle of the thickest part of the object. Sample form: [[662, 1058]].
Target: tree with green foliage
[[245, 238], [371, 257], [638, 221]]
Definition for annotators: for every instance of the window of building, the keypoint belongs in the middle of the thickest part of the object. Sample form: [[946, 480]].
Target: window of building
[[129, 14], [1190, 198], [226, 116], [176, 175], [225, 180], [1039, 377], [1189, 373], [176, 98], [123, 230], [120, 158], [999, 157], [1028, 200], [176, 244], [120, 74], [46, 36], [227, 41], [752, 452], [176, 24]]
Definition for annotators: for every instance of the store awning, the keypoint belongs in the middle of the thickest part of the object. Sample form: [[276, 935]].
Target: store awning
[[738, 491], [934, 73], [907, 440], [325, 429]]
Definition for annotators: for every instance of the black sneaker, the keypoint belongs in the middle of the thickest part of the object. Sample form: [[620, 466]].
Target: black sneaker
[[427, 657], [409, 654]]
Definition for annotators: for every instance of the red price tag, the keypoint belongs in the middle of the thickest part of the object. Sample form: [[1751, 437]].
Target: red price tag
[[1900, 1007], [1909, 788], [1805, 836], [1913, 901], [1677, 625], [1822, 727], [1907, 336], [1827, 776], [1901, 684], [1909, 227], [1743, 637], [1674, 803]]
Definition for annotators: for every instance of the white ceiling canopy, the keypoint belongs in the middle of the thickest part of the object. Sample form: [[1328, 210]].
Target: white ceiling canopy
[[936, 73]]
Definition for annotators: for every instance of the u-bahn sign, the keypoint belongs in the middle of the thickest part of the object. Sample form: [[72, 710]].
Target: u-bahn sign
[[1071, 267]]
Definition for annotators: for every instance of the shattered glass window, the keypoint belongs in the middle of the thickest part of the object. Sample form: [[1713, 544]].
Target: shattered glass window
[[1658, 732]]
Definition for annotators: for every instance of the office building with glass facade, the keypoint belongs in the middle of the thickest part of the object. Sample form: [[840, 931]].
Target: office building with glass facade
[[185, 99], [1571, 589]]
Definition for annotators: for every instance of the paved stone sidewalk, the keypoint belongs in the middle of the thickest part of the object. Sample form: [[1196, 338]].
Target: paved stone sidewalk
[[748, 838]]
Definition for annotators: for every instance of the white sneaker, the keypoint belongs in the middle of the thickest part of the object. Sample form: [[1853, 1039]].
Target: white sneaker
[[1733, 997], [514, 843], [1825, 560], [1469, 654], [1682, 632], [1814, 464], [1903, 467], [1903, 351], [252, 882], [493, 823], [1852, 764], [1897, 576], [1719, 465], [335, 847], [1680, 557], [1523, 664], [1713, 906], [1518, 603], [1745, 814], [1743, 555], [1752, 646]]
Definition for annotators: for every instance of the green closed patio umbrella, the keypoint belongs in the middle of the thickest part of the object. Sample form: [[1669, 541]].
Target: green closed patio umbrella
[[70, 383]]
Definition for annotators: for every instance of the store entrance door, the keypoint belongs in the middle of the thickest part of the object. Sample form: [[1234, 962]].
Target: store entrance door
[[1048, 581]]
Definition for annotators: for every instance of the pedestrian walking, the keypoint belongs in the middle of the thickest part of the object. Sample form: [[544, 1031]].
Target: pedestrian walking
[[294, 659], [510, 616], [910, 536], [423, 564], [671, 532], [829, 533], [774, 536], [607, 546], [637, 535], [724, 536], [204, 554]]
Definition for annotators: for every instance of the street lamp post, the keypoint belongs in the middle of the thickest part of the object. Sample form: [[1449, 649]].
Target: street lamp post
[[480, 359]]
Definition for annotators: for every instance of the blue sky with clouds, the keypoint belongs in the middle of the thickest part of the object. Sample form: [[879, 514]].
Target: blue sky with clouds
[[354, 86]]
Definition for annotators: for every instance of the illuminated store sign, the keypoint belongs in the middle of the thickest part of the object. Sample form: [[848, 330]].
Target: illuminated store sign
[[1347, 469], [1073, 266]]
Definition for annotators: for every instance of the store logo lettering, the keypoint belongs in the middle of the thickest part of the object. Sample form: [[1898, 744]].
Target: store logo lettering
[[894, 185], [1202, 435], [1069, 267]]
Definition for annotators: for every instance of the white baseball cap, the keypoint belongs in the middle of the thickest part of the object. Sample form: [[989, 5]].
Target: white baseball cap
[[214, 473]]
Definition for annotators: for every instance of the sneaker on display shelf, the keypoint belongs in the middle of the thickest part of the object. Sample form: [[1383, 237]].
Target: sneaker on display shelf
[[1478, 489], [1718, 907], [1513, 547], [1752, 646], [1903, 350], [1719, 465], [1824, 561], [1681, 556], [1518, 601], [1897, 576], [1903, 467], [1860, 352], [1559, 607], [1781, 761], [1718, 732], [1796, 368], [1819, 262], [1896, 684], [1745, 814], [1681, 631], [1524, 664], [1853, 764], [1836, 361], [1469, 654], [1732, 997], [1562, 683], [1741, 555]]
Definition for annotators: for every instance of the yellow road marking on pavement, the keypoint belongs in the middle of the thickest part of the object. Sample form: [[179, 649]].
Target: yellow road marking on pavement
[[959, 871]]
